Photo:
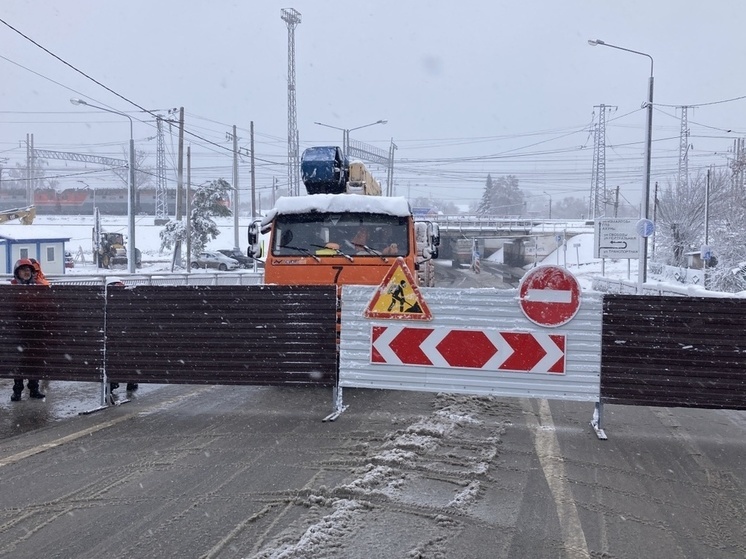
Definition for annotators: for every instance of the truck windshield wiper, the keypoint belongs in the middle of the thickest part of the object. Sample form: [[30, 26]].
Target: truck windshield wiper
[[304, 251], [369, 250], [336, 251]]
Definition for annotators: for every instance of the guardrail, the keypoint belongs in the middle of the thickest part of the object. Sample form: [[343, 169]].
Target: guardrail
[[193, 278], [486, 223], [628, 287]]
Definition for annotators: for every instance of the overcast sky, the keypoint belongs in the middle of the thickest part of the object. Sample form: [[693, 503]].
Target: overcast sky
[[468, 88]]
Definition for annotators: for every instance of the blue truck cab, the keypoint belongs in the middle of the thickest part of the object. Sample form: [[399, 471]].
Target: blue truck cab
[[324, 170]]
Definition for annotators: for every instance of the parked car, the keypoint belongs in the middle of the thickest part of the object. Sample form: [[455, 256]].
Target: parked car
[[69, 260], [243, 260], [217, 260]]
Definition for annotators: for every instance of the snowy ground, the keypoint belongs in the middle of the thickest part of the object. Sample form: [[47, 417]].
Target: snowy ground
[[577, 257], [147, 236]]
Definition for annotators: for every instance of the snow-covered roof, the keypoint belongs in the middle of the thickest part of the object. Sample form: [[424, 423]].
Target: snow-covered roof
[[339, 203], [43, 237]]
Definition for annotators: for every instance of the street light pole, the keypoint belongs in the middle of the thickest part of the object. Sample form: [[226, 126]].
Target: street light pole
[[550, 204], [346, 133], [131, 264], [645, 202]]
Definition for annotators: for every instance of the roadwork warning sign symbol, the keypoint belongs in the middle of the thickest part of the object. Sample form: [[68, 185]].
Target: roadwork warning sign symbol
[[398, 296]]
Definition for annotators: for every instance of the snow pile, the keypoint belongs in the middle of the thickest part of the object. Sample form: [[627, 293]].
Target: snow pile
[[396, 205], [447, 451], [318, 536]]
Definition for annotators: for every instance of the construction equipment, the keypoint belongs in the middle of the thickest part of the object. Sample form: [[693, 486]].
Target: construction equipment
[[25, 215], [109, 249], [343, 232]]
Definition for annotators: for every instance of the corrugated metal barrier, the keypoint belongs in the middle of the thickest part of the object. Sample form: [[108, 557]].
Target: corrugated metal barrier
[[620, 349], [223, 335], [674, 351], [195, 334], [52, 333], [479, 342]]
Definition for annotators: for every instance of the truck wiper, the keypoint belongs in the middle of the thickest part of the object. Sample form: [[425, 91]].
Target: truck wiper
[[304, 251], [369, 250], [374, 252], [336, 251]]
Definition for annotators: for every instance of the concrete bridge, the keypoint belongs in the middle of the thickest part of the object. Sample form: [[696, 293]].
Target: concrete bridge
[[523, 239]]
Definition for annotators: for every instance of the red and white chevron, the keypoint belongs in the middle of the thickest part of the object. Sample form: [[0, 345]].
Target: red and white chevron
[[530, 352]]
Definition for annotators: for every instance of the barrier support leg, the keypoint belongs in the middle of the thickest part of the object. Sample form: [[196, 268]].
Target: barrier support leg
[[336, 404], [597, 421], [107, 398]]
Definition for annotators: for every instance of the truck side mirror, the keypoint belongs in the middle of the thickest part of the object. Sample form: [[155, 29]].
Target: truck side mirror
[[255, 248]]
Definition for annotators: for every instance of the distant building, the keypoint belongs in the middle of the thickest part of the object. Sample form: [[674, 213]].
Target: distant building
[[49, 252]]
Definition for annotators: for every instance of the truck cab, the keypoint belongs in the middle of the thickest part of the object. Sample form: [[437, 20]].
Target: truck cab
[[335, 239]]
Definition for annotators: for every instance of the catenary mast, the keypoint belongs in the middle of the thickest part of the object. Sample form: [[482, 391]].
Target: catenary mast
[[292, 18]]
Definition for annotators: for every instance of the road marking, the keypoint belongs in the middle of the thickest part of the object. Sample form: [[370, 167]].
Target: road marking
[[47, 446], [159, 406], [548, 451]]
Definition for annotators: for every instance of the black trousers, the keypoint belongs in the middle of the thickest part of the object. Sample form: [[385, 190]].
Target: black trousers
[[33, 385]]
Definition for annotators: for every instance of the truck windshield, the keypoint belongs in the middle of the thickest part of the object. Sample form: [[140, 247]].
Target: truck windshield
[[360, 234]]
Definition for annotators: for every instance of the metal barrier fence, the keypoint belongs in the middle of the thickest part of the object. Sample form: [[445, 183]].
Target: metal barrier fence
[[193, 278], [674, 352], [631, 350], [268, 335]]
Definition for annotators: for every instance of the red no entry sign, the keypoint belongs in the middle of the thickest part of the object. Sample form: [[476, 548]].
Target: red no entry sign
[[549, 296]]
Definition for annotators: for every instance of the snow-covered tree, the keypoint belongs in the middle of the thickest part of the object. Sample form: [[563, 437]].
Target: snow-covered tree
[[680, 226], [727, 231], [501, 197], [208, 201], [16, 178], [680, 211], [569, 208]]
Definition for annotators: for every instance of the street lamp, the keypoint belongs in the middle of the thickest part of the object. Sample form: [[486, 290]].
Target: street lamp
[[550, 204], [645, 203], [346, 133], [131, 186]]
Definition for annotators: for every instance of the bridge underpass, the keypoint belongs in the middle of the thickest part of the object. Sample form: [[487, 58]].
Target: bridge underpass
[[524, 241]]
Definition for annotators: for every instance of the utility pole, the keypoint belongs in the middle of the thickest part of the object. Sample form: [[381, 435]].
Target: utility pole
[[655, 216], [30, 169], [179, 187], [253, 174], [390, 169], [180, 171], [616, 202], [235, 204], [292, 18], [188, 227]]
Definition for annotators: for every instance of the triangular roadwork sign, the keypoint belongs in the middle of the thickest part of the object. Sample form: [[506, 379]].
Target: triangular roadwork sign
[[398, 296]]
